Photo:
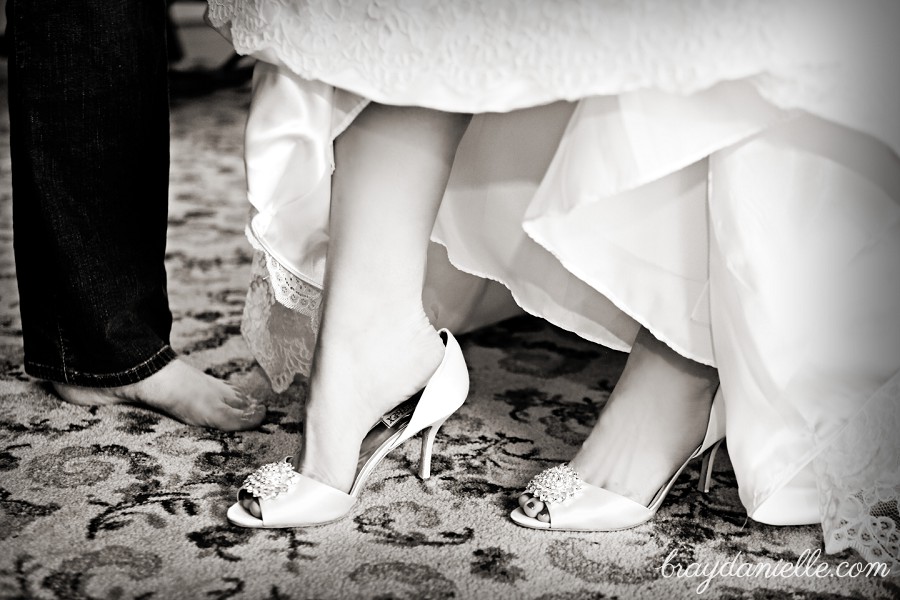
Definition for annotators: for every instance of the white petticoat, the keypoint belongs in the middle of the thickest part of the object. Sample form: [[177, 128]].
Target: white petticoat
[[722, 173]]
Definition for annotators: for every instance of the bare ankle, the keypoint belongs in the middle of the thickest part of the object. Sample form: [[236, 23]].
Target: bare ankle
[[353, 384]]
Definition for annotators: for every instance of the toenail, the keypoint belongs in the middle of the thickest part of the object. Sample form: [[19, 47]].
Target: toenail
[[530, 504], [251, 415]]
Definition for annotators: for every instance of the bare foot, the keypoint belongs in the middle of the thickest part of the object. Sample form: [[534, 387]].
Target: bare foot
[[356, 379], [180, 391], [654, 419]]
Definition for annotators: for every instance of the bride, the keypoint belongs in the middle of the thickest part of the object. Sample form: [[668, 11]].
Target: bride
[[712, 186]]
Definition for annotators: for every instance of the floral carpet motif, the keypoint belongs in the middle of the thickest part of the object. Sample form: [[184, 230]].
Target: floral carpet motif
[[119, 502]]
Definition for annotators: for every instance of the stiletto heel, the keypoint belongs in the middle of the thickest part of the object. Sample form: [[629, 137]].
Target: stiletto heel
[[706, 468], [427, 444], [288, 499], [575, 505]]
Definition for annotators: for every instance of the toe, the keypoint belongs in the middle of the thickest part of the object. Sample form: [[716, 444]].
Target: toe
[[249, 503], [232, 419], [544, 515], [253, 417], [239, 400], [523, 499], [533, 507], [239, 412]]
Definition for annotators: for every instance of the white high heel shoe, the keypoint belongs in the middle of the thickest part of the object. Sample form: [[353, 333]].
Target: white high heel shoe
[[288, 499], [575, 505]]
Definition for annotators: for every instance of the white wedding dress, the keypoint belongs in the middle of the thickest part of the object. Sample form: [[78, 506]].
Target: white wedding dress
[[723, 173]]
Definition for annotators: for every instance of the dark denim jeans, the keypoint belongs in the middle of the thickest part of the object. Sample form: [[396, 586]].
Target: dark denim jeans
[[88, 103]]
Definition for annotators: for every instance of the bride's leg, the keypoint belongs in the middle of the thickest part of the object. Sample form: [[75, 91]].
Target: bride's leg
[[654, 419], [376, 347]]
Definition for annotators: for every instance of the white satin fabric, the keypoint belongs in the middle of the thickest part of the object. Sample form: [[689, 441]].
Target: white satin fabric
[[805, 298], [743, 209]]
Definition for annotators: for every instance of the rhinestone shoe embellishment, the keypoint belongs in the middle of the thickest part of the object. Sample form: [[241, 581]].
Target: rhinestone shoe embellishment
[[555, 485], [271, 480]]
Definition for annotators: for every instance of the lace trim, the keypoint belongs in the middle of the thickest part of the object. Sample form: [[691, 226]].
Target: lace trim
[[290, 291], [281, 319], [859, 481]]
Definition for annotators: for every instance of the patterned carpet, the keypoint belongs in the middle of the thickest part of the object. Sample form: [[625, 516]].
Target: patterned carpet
[[119, 502]]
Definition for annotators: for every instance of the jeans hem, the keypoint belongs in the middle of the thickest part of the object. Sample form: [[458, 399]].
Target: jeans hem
[[137, 373]]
